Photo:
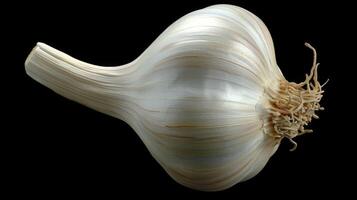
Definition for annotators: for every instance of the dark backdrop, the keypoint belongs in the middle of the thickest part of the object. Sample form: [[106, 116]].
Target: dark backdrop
[[59, 147]]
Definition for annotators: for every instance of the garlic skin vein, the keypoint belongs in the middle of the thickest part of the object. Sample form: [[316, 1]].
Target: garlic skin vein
[[207, 97]]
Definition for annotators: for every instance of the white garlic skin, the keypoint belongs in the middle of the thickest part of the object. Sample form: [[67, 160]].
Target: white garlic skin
[[196, 96]]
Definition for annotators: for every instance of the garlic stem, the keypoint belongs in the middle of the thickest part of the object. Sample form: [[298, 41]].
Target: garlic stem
[[94, 86]]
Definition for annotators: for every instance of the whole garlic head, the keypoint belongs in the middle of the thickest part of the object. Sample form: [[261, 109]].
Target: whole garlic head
[[207, 98]]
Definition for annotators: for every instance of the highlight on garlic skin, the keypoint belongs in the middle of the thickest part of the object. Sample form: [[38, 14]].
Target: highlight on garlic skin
[[207, 97]]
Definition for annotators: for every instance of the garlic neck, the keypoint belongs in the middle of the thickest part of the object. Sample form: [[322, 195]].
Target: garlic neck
[[94, 86], [294, 105]]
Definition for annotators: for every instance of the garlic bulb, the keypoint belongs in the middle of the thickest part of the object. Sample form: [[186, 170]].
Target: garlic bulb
[[207, 98]]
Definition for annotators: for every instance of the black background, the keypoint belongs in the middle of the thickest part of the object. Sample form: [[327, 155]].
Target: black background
[[58, 147]]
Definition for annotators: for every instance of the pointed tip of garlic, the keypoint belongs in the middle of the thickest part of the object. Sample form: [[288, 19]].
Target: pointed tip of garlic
[[29, 57]]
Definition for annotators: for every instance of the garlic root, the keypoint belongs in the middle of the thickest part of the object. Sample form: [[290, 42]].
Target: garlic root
[[294, 106]]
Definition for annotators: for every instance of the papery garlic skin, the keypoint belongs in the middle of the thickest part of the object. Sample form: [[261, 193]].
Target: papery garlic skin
[[197, 97]]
